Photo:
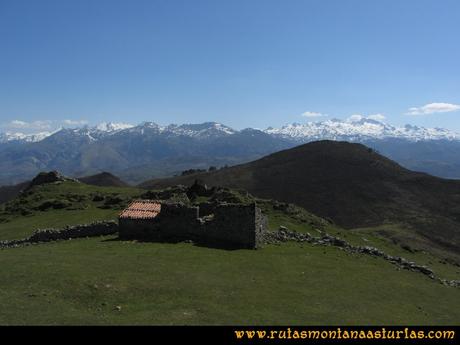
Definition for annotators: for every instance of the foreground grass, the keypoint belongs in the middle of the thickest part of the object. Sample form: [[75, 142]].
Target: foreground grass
[[99, 281]]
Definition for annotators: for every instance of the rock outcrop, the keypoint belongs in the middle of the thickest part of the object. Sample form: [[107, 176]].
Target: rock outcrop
[[48, 177]]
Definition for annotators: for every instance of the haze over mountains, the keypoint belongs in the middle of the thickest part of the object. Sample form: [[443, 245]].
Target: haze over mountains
[[137, 153]]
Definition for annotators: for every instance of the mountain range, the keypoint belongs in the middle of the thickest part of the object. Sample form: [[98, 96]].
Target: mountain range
[[148, 150]]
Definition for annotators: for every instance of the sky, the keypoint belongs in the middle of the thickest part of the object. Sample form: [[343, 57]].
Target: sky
[[244, 63]]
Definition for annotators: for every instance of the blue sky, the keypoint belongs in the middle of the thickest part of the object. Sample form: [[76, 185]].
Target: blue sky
[[244, 63]]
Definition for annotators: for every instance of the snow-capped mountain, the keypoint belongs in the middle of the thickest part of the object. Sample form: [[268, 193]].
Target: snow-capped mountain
[[198, 131], [111, 127], [203, 130], [93, 133], [361, 130], [101, 130], [21, 137]]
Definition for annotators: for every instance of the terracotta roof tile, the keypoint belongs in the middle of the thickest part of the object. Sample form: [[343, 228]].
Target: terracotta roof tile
[[141, 209]]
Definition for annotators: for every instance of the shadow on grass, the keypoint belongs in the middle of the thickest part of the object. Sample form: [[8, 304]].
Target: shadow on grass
[[203, 244]]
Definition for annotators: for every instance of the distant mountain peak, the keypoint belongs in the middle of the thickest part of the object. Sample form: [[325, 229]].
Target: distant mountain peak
[[148, 124], [205, 128], [113, 126]]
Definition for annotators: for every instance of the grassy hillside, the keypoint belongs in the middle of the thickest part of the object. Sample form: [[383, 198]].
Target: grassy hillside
[[104, 179], [59, 204], [352, 185], [107, 281]]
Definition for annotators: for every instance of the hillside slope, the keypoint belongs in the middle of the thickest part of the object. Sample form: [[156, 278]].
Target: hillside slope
[[104, 179], [350, 184]]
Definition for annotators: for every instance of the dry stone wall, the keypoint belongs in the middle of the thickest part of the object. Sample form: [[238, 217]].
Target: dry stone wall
[[77, 231], [284, 234]]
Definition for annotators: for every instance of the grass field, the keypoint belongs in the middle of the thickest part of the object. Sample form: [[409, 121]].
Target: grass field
[[106, 281], [99, 281]]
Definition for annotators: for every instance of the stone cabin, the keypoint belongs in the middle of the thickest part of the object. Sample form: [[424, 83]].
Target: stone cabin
[[213, 224]]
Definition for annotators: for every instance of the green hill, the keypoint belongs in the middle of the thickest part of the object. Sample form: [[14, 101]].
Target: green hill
[[103, 179], [61, 203], [107, 281], [355, 187]]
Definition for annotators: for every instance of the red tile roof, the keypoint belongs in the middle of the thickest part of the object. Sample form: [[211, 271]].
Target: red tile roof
[[141, 209]]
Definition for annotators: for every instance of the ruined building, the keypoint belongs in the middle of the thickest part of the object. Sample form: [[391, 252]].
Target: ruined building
[[214, 224]]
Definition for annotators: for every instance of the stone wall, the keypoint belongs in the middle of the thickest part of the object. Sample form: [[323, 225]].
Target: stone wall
[[137, 229], [261, 227], [178, 221], [77, 231], [206, 208], [232, 225], [284, 234]]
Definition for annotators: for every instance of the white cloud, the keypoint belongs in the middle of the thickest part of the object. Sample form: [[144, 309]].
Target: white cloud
[[355, 118], [377, 117], [18, 123], [33, 125], [433, 108], [75, 122], [359, 117], [312, 114]]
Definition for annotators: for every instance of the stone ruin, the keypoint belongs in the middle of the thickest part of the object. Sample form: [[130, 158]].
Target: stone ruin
[[216, 224]]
